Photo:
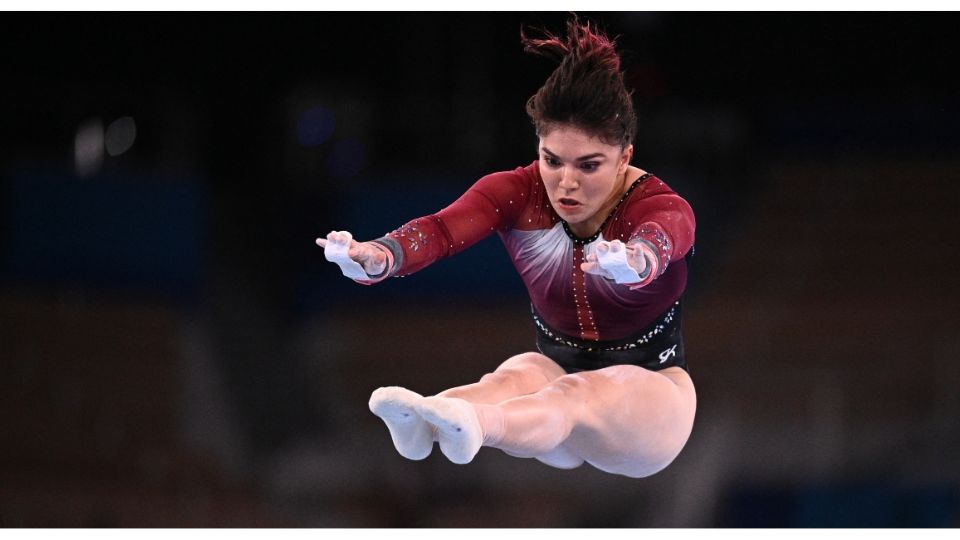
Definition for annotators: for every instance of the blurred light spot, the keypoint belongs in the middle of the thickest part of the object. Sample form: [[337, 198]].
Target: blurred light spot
[[120, 135], [348, 159], [315, 126], [88, 147]]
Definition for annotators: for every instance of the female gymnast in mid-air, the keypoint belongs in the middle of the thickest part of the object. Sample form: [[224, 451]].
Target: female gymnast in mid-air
[[601, 246]]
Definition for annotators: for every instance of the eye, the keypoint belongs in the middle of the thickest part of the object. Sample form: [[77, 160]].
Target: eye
[[551, 161], [589, 166]]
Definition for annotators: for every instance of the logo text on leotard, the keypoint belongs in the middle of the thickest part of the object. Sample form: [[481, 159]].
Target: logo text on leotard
[[665, 355]]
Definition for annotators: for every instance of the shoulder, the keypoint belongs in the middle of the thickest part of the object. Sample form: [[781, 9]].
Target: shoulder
[[520, 182], [651, 193], [528, 174], [648, 185]]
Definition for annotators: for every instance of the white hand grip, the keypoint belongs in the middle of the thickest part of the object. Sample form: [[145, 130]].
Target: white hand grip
[[616, 263], [336, 252]]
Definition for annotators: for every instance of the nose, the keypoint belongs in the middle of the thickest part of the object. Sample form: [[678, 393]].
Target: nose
[[568, 179]]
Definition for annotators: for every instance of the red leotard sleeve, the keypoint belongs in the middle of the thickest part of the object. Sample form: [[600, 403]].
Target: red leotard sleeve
[[493, 203], [662, 224]]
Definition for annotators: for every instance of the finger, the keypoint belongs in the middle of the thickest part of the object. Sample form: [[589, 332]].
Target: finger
[[603, 247], [321, 242], [590, 268], [591, 257], [615, 246], [335, 236]]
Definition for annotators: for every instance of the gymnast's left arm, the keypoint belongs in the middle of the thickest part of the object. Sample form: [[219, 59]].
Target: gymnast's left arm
[[661, 230]]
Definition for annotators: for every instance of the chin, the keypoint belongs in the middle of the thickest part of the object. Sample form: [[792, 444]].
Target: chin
[[576, 216]]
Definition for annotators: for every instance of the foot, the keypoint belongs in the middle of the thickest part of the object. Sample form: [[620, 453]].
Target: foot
[[411, 434], [458, 427]]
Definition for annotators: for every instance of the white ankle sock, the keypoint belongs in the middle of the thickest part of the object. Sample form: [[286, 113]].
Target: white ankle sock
[[411, 434], [458, 427]]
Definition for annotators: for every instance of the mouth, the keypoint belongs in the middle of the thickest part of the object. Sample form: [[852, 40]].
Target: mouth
[[567, 203]]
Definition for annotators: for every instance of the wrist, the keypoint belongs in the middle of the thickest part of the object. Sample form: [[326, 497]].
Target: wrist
[[646, 252], [646, 265], [378, 271]]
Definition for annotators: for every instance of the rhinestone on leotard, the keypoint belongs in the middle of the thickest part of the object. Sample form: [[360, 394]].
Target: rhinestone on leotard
[[642, 340]]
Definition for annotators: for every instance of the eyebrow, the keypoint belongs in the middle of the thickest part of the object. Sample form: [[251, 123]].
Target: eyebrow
[[581, 158]]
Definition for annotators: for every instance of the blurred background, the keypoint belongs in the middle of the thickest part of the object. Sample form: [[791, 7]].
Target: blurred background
[[175, 351]]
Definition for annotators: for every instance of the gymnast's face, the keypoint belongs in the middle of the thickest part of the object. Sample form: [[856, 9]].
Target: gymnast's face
[[583, 175]]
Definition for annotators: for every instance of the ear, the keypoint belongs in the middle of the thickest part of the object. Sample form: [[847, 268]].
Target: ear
[[625, 158]]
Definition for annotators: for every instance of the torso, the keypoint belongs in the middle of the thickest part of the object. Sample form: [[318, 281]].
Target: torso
[[548, 254]]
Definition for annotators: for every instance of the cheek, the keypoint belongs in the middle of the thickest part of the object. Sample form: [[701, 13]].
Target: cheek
[[600, 187], [550, 180], [593, 186]]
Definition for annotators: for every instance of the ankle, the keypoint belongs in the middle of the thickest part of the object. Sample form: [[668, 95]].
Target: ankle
[[491, 423]]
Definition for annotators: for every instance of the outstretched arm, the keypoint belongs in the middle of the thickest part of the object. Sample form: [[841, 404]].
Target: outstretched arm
[[492, 203], [662, 230]]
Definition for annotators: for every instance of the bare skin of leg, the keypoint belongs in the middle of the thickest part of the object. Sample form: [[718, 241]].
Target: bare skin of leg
[[519, 375], [622, 419], [413, 437]]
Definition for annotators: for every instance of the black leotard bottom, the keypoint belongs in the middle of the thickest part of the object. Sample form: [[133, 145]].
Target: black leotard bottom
[[657, 347]]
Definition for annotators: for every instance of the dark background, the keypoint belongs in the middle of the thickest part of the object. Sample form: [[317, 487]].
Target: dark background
[[175, 351]]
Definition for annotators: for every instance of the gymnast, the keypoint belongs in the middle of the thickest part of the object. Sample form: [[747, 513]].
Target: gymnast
[[602, 249]]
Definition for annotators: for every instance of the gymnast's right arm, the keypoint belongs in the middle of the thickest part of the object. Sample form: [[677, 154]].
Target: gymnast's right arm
[[493, 203]]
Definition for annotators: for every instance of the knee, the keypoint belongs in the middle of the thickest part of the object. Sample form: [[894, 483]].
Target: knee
[[525, 370], [571, 387], [520, 378], [533, 362]]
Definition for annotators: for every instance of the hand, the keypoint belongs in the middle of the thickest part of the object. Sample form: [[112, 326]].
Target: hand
[[616, 261], [353, 257]]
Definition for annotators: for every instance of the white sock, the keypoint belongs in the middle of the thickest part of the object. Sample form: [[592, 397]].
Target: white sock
[[458, 427], [411, 434]]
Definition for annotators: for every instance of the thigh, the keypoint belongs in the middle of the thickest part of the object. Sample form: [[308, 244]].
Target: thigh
[[630, 420]]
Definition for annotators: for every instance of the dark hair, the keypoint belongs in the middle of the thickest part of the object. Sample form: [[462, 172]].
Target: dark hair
[[587, 89]]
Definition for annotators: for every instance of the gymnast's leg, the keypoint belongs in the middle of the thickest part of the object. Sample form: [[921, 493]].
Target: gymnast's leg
[[413, 436], [518, 376], [622, 419]]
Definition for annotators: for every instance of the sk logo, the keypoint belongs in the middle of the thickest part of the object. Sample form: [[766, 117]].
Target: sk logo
[[665, 355]]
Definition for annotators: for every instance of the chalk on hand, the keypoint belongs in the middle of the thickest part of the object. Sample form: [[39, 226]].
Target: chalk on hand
[[614, 261], [338, 252]]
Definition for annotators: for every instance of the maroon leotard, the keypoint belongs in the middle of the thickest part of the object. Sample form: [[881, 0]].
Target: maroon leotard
[[514, 204]]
